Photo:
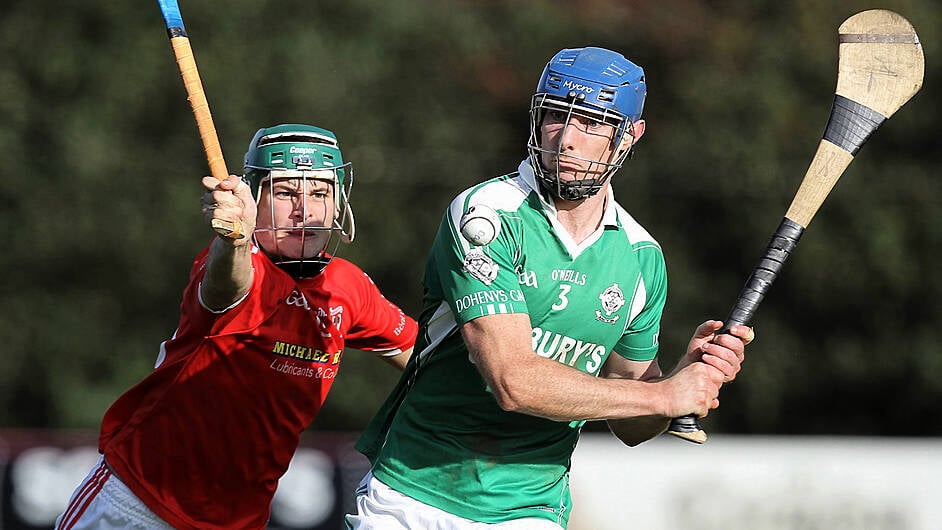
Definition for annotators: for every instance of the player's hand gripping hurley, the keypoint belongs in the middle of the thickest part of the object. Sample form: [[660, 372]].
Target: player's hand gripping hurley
[[204, 120], [880, 67]]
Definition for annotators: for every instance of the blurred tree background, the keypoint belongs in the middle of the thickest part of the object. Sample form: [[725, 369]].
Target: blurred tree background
[[100, 183]]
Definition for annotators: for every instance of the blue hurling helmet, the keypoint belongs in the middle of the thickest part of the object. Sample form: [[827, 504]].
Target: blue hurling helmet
[[596, 84]]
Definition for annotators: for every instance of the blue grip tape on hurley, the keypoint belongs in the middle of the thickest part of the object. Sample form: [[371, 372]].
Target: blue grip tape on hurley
[[171, 11]]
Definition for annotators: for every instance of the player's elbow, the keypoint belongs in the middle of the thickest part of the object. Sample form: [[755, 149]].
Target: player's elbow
[[508, 398], [514, 394]]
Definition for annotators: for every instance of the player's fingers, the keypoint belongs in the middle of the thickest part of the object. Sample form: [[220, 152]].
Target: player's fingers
[[707, 328], [745, 333], [231, 183], [210, 183], [724, 359], [749, 337], [243, 191]]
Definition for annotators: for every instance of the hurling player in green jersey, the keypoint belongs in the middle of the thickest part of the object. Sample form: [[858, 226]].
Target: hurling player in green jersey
[[542, 308]]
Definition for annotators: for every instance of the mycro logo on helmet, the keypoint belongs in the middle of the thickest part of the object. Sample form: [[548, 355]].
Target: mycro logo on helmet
[[576, 86], [302, 150]]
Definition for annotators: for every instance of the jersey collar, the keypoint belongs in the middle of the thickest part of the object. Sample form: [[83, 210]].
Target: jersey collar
[[609, 216]]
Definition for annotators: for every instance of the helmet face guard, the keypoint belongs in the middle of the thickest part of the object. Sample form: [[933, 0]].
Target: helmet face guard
[[306, 154], [595, 84]]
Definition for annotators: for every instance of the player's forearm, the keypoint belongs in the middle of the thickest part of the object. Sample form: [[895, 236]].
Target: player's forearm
[[228, 274], [545, 388], [525, 382]]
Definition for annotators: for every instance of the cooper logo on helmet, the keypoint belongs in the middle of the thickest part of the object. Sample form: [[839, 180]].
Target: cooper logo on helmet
[[302, 150]]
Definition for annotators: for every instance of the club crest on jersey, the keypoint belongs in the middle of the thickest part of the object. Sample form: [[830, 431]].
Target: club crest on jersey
[[323, 322], [336, 315], [612, 299], [480, 266]]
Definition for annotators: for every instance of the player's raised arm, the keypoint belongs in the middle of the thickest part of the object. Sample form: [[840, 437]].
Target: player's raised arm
[[229, 265]]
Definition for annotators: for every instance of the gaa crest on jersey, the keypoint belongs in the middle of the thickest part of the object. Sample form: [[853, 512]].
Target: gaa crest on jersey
[[612, 299], [480, 266], [527, 278]]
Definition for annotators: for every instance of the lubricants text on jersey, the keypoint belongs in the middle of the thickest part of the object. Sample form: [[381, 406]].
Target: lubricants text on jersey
[[578, 87], [305, 353], [287, 367], [569, 275], [569, 351], [497, 296]]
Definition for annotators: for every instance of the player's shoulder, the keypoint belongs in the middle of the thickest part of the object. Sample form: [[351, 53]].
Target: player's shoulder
[[341, 279], [343, 268], [638, 236], [504, 193]]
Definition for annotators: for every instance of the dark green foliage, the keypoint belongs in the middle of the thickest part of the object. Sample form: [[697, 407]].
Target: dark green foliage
[[100, 182]]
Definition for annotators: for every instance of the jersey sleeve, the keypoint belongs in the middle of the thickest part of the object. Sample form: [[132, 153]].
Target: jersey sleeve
[[640, 341], [475, 280], [378, 325]]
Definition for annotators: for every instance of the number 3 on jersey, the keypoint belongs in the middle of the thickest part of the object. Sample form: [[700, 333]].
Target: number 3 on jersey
[[564, 289]]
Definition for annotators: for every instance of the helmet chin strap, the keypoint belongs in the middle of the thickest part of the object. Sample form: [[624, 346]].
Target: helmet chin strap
[[579, 189], [299, 267], [304, 268]]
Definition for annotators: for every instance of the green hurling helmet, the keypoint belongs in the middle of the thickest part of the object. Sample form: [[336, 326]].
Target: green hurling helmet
[[291, 146], [306, 152]]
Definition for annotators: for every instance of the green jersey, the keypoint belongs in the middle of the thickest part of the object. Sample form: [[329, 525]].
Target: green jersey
[[441, 437]]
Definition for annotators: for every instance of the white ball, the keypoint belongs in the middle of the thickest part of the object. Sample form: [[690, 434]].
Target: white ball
[[480, 224]]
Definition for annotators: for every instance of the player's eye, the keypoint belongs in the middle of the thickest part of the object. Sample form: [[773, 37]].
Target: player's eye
[[555, 116]]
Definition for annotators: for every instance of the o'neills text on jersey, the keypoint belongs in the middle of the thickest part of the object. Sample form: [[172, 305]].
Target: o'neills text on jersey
[[569, 275]]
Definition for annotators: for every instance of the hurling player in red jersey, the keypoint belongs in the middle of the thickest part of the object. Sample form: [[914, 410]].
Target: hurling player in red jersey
[[203, 439]]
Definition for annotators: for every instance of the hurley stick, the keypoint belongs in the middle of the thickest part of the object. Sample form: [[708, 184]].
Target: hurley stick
[[204, 120], [880, 67]]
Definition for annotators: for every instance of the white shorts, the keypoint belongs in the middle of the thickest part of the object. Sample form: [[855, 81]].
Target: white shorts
[[103, 502], [380, 507]]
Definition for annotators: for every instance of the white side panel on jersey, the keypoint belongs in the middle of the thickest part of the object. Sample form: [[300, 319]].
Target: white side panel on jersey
[[638, 301], [440, 325]]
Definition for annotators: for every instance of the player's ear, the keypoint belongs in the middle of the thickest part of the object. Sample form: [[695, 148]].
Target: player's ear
[[637, 129], [631, 136]]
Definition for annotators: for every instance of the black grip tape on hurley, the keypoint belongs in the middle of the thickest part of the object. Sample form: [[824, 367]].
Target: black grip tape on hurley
[[851, 124], [780, 247]]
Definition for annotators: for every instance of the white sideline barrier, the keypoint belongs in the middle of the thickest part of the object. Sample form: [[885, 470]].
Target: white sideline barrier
[[758, 483], [729, 483]]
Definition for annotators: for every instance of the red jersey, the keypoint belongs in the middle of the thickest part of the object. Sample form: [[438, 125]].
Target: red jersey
[[205, 437]]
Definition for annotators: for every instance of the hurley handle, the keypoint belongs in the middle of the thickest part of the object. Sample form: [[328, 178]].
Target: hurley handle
[[780, 247], [183, 53]]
